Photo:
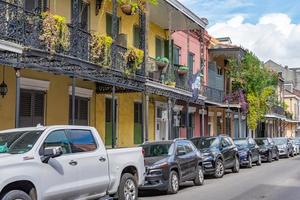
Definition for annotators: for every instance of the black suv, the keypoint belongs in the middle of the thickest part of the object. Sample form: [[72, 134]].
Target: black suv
[[267, 149], [248, 151], [169, 163], [219, 154]]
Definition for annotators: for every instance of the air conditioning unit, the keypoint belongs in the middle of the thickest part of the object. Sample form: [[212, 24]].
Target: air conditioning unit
[[122, 40]]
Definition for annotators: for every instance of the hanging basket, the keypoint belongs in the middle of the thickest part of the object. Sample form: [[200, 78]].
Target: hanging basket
[[127, 9], [161, 65], [182, 72]]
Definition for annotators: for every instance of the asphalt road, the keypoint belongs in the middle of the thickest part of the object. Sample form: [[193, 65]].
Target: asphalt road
[[279, 180]]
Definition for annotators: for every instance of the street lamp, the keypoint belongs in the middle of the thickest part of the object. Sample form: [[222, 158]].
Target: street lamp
[[228, 118], [3, 86]]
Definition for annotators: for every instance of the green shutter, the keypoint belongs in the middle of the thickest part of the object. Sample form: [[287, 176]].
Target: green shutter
[[136, 36], [108, 24], [158, 47], [138, 123]]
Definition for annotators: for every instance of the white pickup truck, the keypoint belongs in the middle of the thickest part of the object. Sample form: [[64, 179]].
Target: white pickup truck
[[66, 163]]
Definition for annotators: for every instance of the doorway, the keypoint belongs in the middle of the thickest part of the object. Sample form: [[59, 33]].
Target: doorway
[[161, 121], [108, 121]]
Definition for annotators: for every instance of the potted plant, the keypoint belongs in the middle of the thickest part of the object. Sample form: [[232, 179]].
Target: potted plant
[[182, 70], [55, 32], [161, 62], [128, 7], [100, 48], [134, 58]]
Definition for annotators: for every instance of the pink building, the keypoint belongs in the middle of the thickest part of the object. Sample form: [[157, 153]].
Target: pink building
[[188, 51]]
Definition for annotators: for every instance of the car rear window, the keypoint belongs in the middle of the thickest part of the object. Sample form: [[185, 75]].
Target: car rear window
[[158, 150]]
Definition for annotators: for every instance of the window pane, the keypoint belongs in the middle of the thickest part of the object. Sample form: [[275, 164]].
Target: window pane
[[58, 139], [83, 114], [136, 36], [81, 141], [39, 105], [24, 142], [25, 104]]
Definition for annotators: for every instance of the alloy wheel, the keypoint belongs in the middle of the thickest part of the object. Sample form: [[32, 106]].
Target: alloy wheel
[[130, 190], [175, 182], [219, 169], [201, 175], [250, 162]]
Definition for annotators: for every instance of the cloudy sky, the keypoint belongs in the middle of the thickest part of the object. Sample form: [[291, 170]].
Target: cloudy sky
[[269, 28]]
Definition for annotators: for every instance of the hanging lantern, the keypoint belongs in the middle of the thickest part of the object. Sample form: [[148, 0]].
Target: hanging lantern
[[3, 86]]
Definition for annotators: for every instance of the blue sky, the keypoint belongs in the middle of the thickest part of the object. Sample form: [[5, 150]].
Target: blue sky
[[269, 28], [252, 10]]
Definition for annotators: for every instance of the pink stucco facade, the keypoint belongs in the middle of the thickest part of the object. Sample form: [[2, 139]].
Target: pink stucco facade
[[190, 43]]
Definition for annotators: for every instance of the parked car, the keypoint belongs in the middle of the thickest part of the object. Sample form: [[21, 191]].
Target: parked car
[[169, 163], [248, 151], [66, 162], [219, 154], [296, 149], [297, 141], [267, 149], [285, 147]]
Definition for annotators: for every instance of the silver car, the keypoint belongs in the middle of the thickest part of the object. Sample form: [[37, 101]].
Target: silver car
[[296, 148], [285, 147]]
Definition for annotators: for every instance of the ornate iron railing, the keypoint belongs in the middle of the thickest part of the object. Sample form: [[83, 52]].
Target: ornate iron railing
[[212, 94], [277, 110]]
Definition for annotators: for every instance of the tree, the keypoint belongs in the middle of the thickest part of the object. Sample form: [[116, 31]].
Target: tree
[[258, 84]]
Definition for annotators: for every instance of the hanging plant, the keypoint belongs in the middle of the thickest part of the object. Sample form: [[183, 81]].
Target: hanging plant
[[131, 7], [182, 70], [55, 32], [100, 47], [134, 58], [161, 62]]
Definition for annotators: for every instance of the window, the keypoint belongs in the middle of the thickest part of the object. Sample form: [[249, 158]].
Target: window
[[180, 149], [138, 118], [225, 143], [176, 55], [109, 24], [81, 141], [159, 47], [136, 36], [81, 111], [58, 139], [191, 60], [83, 14], [138, 123], [31, 108], [188, 147], [33, 5]]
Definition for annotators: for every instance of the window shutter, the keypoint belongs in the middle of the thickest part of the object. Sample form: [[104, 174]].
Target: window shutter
[[158, 47], [25, 104], [29, 5], [108, 24], [83, 113], [136, 36], [83, 10]]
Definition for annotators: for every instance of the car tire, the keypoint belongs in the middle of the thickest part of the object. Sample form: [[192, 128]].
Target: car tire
[[199, 180], [258, 163], [292, 154], [173, 183], [219, 169], [128, 187], [236, 167], [250, 162], [16, 194], [288, 155], [270, 157]]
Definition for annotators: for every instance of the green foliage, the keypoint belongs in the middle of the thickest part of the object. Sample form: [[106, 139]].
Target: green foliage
[[257, 82], [134, 58], [137, 4], [162, 59], [183, 68], [100, 47], [55, 32]]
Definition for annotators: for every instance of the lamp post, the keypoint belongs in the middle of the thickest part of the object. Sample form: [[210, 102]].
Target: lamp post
[[3, 86], [228, 118]]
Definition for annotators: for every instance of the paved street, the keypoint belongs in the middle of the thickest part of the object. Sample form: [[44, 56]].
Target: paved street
[[271, 181]]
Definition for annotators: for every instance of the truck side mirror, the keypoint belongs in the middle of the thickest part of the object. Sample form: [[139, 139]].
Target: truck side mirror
[[51, 152]]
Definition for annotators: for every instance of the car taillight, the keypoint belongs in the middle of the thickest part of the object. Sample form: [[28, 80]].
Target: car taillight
[[143, 152]]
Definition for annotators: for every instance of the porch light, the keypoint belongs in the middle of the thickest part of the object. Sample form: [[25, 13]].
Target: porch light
[[3, 86]]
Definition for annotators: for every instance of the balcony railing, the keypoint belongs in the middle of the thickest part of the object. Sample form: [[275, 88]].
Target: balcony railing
[[277, 110], [212, 94]]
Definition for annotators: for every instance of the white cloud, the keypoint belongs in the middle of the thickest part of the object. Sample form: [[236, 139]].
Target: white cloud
[[273, 37]]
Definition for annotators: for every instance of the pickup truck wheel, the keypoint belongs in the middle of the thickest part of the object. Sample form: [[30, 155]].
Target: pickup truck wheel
[[16, 195], [199, 180], [128, 188], [173, 183]]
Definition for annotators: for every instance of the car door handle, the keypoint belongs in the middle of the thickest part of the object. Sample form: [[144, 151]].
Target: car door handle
[[102, 159], [73, 163]]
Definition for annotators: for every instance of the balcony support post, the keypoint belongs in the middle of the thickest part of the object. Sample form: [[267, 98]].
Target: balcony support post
[[170, 115], [187, 121], [73, 98], [113, 122], [18, 91], [145, 97], [114, 32], [203, 121], [75, 29], [143, 39]]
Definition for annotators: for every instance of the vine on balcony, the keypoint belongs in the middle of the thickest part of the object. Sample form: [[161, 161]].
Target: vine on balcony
[[134, 58], [131, 7], [100, 47], [55, 32]]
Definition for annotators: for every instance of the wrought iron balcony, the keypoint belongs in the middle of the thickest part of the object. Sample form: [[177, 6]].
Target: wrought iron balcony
[[279, 110], [212, 94]]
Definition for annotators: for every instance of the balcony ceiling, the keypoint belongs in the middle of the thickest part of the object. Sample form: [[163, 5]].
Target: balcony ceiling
[[182, 18]]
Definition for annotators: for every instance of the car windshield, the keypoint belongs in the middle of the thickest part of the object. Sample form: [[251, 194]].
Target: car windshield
[[18, 142], [204, 143], [261, 142], [241, 143], [280, 141], [158, 150]]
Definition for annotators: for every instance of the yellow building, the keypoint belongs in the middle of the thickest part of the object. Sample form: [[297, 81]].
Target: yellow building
[[66, 86]]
